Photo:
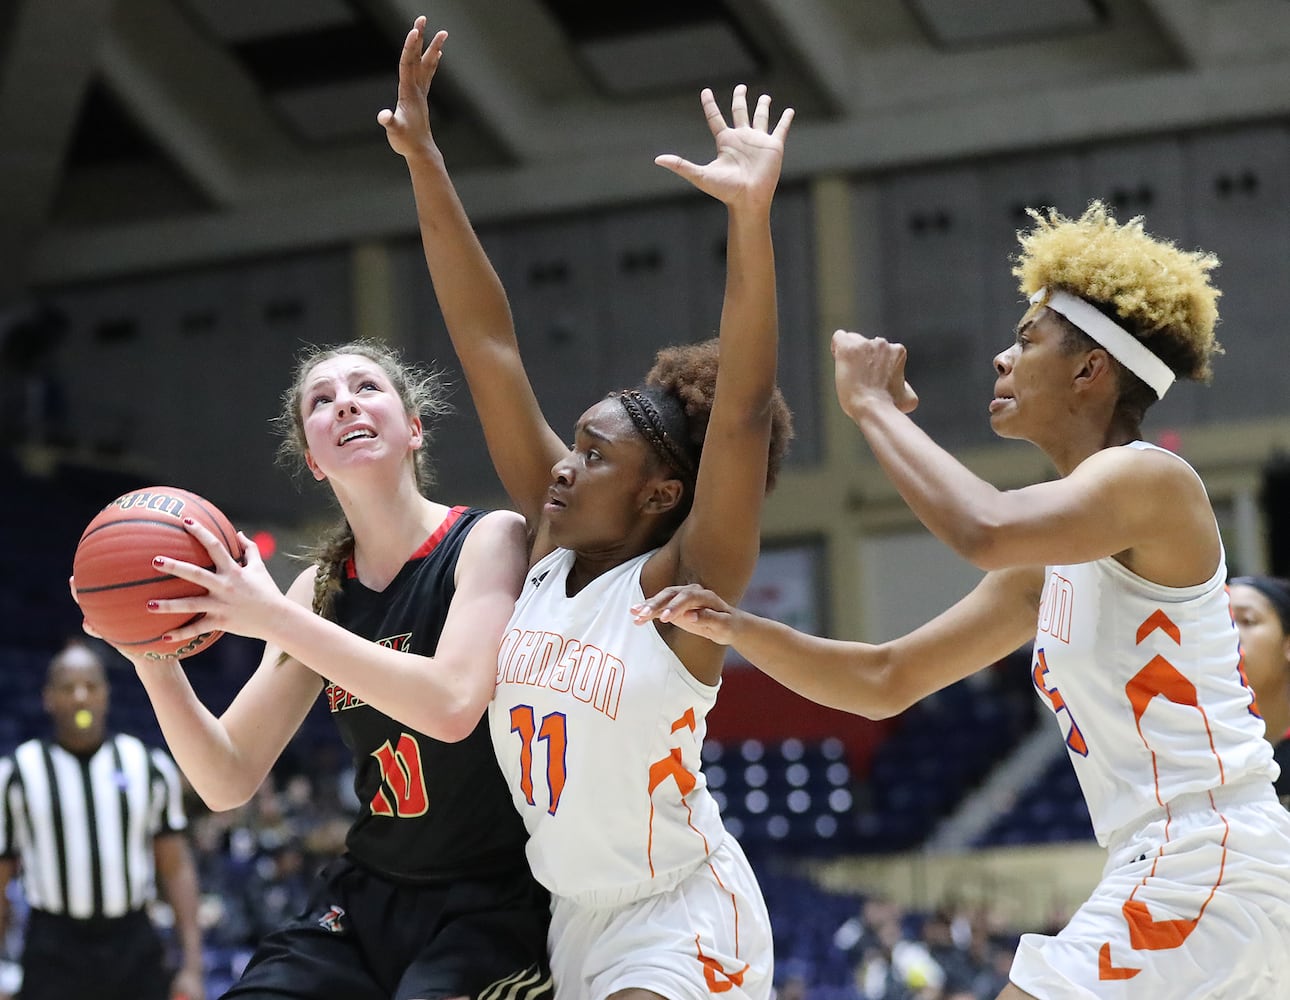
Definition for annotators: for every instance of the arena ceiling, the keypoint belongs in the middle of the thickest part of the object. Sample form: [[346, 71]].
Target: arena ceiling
[[140, 134]]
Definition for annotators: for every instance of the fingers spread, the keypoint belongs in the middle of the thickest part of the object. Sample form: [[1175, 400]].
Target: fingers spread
[[711, 112], [221, 555], [411, 50], [785, 120], [739, 107], [679, 165]]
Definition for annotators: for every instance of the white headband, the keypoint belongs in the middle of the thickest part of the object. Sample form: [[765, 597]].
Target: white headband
[[1122, 345]]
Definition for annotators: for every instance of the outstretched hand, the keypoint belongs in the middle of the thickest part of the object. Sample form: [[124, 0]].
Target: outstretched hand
[[749, 153], [407, 126], [866, 368], [691, 608]]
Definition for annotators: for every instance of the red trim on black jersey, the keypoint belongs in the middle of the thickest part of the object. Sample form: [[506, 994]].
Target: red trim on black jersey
[[426, 547]]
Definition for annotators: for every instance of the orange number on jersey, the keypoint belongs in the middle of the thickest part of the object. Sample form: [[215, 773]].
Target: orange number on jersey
[[553, 732], [401, 774], [1039, 674]]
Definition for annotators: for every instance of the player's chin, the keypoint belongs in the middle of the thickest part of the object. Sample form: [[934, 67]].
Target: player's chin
[[1004, 425]]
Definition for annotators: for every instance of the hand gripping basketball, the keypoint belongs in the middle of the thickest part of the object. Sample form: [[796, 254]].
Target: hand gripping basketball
[[232, 595]]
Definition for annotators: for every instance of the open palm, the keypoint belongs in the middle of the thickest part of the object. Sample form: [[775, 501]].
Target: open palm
[[749, 152]]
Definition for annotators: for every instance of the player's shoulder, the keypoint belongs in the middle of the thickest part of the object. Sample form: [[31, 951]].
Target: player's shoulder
[[1142, 466], [301, 589], [496, 528]]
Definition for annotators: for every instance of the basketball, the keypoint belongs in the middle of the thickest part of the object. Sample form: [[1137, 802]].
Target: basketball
[[115, 578]]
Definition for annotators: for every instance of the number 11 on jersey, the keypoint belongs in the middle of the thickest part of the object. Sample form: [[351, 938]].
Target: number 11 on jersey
[[552, 730]]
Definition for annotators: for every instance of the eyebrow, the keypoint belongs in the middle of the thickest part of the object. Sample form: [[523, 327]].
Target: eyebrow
[[342, 377], [591, 432], [1023, 326]]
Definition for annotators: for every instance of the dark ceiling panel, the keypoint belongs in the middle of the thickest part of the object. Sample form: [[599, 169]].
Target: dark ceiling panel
[[954, 23], [319, 55], [583, 20], [637, 50], [105, 133]]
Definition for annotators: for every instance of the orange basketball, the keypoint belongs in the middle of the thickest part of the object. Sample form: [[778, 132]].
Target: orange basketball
[[115, 578]]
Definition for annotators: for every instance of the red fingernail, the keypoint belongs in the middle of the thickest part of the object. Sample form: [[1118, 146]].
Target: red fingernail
[[189, 520], [153, 605], [167, 638], [158, 560]]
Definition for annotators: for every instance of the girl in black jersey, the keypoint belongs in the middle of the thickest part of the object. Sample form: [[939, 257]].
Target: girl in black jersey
[[399, 616]]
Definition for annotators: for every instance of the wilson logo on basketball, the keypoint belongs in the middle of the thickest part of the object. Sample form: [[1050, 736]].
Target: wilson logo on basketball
[[145, 500]]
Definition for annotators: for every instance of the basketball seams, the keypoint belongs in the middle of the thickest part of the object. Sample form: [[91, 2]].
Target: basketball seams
[[135, 583], [213, 521], [158, 636], [170, 525]]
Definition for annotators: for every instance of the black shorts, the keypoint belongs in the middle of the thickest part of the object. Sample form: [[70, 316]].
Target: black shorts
[[363, 937], [120, 958]]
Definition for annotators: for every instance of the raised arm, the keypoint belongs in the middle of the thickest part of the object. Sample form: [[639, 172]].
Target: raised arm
[[443, 696], [474, 306], [876, 681], [719, 541], [1118, 501]]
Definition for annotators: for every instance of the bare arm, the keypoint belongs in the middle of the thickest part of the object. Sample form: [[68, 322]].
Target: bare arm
[[474, 306], [1119, 501], [443, 695], [719, 541], [227, 758], [876, 681], [177, 877]]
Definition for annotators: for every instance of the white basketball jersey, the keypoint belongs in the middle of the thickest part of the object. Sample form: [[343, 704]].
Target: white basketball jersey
[[598, 727], [1148, 687]]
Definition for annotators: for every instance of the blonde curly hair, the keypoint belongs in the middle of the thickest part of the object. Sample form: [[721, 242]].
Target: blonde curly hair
[[1159, 293]]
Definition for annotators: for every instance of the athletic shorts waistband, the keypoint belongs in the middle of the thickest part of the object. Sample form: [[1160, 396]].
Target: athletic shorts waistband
[[623, 894], [1244, 792]]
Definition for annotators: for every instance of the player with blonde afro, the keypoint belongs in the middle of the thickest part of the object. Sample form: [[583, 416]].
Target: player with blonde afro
[[1115, 572], [1160, 293]]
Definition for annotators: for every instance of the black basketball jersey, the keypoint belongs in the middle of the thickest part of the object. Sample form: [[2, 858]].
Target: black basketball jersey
[[429, 811]]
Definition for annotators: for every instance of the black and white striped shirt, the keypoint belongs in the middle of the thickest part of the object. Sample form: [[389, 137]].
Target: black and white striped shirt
[[82, 828]]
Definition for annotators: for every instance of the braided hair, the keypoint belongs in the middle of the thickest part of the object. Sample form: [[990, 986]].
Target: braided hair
[[670, 410]]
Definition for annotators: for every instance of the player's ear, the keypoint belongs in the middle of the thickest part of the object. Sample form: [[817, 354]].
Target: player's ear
[[418, 433], [312, 466], [664, 494], [1095, 368]]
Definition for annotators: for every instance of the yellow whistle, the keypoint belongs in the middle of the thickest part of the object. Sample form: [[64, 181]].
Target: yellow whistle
[[84, 718]]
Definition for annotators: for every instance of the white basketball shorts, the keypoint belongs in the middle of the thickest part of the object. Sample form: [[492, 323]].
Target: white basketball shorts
[[710, 935], [1195, 902]]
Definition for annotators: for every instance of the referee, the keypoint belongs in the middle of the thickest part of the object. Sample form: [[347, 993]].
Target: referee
[[91, 820]]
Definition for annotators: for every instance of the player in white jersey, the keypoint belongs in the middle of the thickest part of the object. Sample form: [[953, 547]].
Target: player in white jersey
[[1116, 571], [597, 724]]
